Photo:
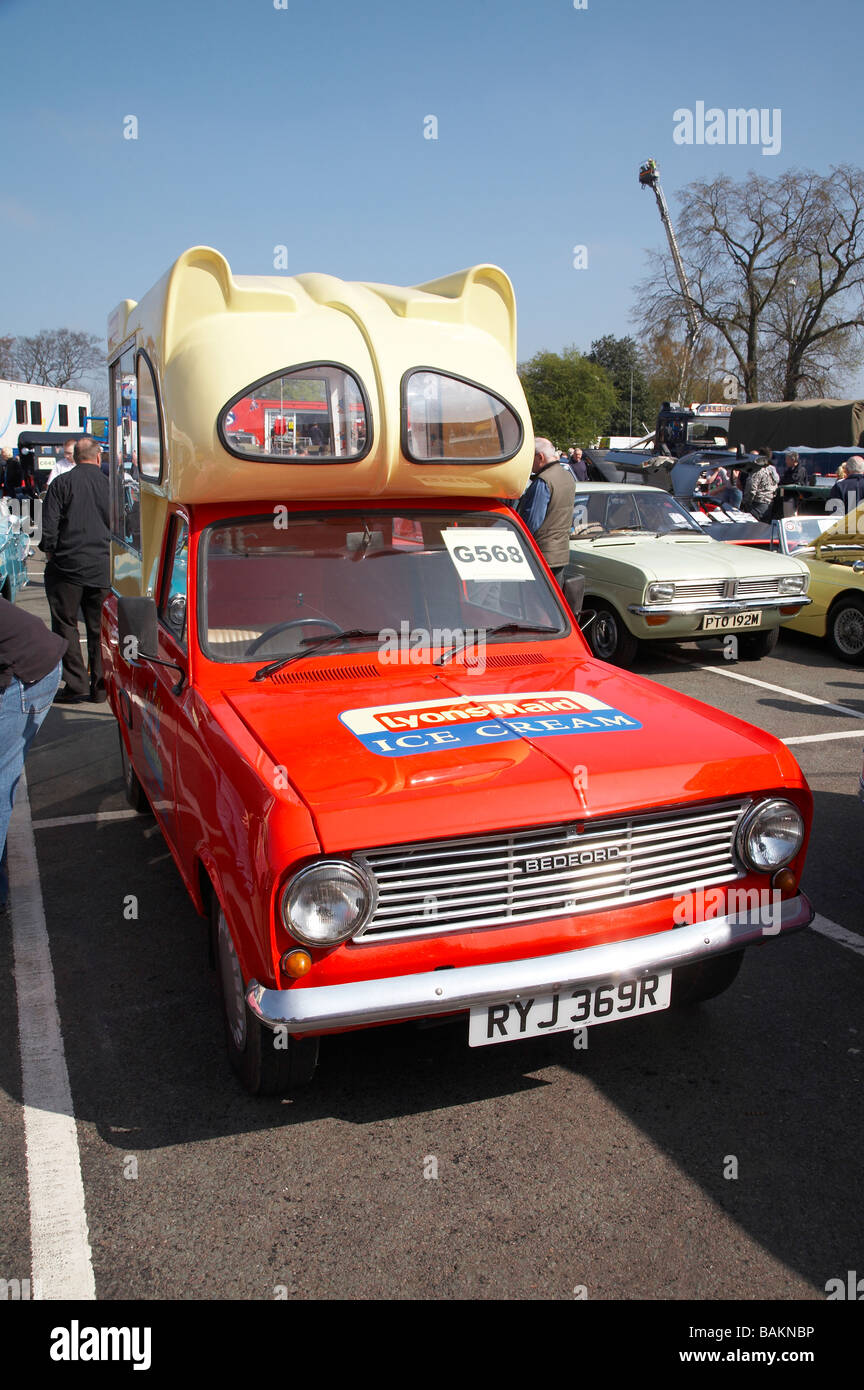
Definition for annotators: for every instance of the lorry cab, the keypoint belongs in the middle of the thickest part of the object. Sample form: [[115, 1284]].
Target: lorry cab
[[385, 763]]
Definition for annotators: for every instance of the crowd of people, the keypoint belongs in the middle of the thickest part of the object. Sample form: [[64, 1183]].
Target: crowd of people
[[18, 474], [757, 489], [546, 505]]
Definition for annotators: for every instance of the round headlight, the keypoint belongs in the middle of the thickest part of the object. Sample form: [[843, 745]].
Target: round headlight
[[770, 835], [327, 902], [661, 592], [793, 583]]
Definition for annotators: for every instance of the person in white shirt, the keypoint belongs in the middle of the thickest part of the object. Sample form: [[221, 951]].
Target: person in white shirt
[[64, 462]]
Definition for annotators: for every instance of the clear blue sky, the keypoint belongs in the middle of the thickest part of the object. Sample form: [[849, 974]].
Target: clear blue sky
[[304, 126]]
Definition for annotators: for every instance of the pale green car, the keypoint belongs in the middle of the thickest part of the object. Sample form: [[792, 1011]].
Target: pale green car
[[651, 574]]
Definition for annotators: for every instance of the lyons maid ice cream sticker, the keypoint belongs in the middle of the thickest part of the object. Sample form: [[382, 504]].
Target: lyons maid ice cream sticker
[[397, 731]]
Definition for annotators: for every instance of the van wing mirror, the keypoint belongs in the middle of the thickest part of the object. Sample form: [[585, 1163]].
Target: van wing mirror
[[574, 592], [137, 635], [136, 627]]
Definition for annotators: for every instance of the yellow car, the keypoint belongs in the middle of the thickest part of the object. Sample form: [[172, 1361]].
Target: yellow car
[[833, 549]]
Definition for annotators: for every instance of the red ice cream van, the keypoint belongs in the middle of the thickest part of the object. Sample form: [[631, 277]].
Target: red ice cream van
[[364, 715]]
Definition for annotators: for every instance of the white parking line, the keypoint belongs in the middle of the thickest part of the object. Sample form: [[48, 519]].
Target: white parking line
[[59, 1238], [766, 685], [51, 823], [837, 933], [822, 738]]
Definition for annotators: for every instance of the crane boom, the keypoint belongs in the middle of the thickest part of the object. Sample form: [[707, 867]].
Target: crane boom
[[649, 177]]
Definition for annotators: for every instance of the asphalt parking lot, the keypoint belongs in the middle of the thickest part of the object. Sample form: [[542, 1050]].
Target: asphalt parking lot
[[415, 1167]]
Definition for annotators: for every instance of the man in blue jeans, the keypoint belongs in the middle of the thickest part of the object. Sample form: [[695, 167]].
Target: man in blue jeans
[[30, 665]]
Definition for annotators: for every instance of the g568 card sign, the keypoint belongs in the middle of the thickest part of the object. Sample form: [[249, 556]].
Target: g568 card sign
[[487, 552]]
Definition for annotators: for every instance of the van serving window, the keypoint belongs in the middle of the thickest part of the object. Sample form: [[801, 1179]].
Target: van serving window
[[447, 417], [314, 413]]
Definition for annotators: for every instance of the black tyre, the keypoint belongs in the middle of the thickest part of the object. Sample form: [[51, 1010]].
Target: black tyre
[[268, 1063], [608, 637], [845, 630], [704, 979], [135, 793], [752, 646]]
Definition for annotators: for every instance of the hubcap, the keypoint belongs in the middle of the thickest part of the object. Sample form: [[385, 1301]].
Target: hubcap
[[232, 984], [605, 635], [849, 631]]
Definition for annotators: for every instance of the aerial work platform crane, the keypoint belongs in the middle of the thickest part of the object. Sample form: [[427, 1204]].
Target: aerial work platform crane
[[649, 177]]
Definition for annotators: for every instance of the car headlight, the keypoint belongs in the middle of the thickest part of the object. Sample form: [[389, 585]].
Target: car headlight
[[661, 592], [770, 835], [793, 584], [327, 902]]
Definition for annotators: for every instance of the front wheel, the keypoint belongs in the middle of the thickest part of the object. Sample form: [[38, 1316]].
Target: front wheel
[[268, 1062], [704, 979], [752, 646], [846, 630], [608, 637]]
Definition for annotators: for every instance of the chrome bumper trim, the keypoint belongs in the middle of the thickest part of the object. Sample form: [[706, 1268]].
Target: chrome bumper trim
[[315, 1010], [718, 605]]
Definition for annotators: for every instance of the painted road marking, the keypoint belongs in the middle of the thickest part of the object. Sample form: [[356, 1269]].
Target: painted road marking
[[766, 685], [59, 1238], [837, 933], [51, 823], [822, 738], [100, 817]]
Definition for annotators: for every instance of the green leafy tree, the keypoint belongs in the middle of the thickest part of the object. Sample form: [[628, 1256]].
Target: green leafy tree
[[570, 398], [662, 352], [622, 360]]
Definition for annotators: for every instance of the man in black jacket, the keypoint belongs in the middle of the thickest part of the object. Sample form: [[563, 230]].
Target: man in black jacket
[[29, 675], [76, 541]]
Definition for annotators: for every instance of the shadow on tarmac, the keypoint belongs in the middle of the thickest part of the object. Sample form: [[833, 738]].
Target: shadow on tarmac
[[769, 1073]]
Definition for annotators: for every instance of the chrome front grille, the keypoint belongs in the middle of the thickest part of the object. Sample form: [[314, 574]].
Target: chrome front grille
[[551, 871], [767, 587], [703, 588]]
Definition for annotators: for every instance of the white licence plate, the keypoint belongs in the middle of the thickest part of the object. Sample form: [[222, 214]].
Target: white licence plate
[[568, 1010], [722, 622]]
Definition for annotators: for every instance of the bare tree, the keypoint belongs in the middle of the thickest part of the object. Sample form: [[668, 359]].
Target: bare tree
[[7, 362], [56, 357], [775, 269], [813, 325]]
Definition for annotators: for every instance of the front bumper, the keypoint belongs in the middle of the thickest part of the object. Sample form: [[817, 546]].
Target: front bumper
[[311, 1010], [720, 605]]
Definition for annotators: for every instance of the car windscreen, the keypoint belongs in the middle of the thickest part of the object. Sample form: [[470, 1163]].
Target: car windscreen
[[273, 585], [801, 531], [633, 509]]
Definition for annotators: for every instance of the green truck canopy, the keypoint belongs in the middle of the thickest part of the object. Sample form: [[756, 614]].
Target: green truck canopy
[[808, 424]]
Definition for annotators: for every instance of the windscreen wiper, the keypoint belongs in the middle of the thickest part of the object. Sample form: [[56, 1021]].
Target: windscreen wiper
[[490, 632], [313, 644]]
